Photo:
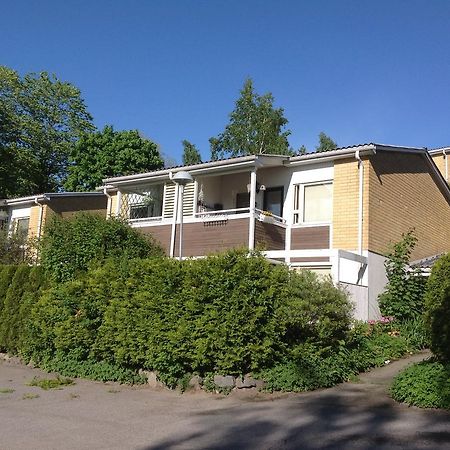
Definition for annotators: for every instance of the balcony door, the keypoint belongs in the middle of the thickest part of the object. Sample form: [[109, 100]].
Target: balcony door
[[273, 200]]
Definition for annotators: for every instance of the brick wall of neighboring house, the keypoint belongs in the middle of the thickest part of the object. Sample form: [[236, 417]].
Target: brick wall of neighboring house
[[345, 204], [404, 192], [68, 206], [34, 221], [440, 162]]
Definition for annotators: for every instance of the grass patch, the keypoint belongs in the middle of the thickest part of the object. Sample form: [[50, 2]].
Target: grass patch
[[6, 391], [50, 383], [29, 396], [426, 385]]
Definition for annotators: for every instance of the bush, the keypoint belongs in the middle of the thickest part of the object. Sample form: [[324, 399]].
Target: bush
[[437, 308], [70, 245], [15, 248], [367, 345], [22, 292], [230, 314], [6, 276], [403, 297], [426, 384]]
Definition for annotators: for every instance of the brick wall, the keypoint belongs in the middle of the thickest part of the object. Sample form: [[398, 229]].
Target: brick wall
[[345, 204], [404, 193]]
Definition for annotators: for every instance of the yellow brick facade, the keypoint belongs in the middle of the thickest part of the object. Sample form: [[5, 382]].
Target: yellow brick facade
[[404, 193], [439, 160], [112, 206], [34, 221], [346, 204]]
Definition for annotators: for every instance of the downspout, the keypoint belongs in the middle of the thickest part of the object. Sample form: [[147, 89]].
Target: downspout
[[446, 165], [360, 202], [41, 211], [174, 221]]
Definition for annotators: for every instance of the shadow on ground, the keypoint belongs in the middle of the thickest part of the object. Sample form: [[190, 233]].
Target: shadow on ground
[[350, 416]]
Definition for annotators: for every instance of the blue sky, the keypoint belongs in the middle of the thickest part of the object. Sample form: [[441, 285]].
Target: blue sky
[[359, 70]]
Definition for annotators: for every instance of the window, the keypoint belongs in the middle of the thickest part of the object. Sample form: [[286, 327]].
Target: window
[[313, 203], [20, 227], [243, 200], [273, 200], [145, 204]]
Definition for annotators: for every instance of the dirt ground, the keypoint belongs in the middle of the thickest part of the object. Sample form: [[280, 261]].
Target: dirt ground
[[93, 415]]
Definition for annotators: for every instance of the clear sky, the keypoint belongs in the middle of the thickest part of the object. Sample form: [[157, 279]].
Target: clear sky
[[362, 71]]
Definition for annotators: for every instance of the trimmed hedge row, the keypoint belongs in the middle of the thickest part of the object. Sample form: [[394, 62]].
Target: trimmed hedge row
[[233, 313], [20, 288]]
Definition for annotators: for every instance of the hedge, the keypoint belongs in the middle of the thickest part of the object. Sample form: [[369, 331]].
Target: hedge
[[232, 314]]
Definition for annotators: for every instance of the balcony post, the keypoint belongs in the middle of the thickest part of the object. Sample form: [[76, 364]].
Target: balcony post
[[251, 227]]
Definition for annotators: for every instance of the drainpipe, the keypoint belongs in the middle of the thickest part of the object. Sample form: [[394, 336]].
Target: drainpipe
[[174, 221], [446, 165], [41, 210], [251, 228], [360, 203]]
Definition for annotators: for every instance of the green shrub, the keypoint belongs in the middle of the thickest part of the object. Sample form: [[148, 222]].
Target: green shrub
[[230, 314], [15, 248], [6, 276], [437, 308], [367, 346], [403, 297], [426, 384], [23, 292], [92, 370], [313, 310], [70, 245]]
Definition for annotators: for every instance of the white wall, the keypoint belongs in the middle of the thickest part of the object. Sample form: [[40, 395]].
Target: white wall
[[359, 296], [377, 283]]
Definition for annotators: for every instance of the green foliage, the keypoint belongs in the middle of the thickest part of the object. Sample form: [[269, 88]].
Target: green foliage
[[22, 292], [40, 119], [70, 245], [110, 153], [50, 383], [191, 155], [403, 297], [367, 345], [232, 313], [314, 310], [437, 307], [426, 384], [255, 127], [6, 275], [15, 248], [326, 144]]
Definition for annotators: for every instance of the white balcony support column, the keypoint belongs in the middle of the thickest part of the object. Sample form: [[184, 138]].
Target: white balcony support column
[[174, 222], [180, 238], [251, 227], [119, 203], [195, 206]]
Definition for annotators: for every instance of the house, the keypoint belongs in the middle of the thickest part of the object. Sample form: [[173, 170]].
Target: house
[[28, 215], [440, 157], [334, 213]]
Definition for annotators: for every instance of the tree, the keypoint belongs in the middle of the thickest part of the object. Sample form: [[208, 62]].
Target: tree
[[191, 155], [110, 153], [325, 143], [41, 118], [255, 127]]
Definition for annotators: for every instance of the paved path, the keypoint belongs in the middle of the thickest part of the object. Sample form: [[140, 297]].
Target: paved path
[[92, 415]]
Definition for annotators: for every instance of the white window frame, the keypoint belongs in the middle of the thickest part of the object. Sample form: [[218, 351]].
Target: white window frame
[[300, 212]]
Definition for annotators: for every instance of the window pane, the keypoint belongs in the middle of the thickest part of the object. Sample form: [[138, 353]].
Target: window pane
[[273, 201], [318, 203], [22, 227]]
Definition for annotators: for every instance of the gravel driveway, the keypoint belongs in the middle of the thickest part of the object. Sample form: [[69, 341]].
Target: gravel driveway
[[92, 415]]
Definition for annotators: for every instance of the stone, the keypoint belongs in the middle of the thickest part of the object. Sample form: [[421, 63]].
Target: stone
[[224, 381], [246, 382], [152, 378], [195, 383]]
